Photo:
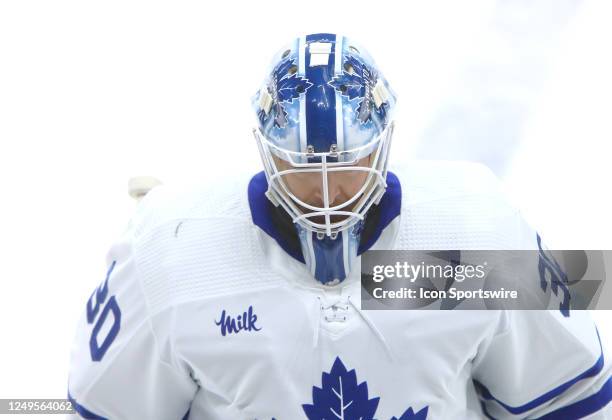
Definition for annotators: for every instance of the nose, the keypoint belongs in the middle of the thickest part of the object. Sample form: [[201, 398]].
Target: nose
[[333, 189]]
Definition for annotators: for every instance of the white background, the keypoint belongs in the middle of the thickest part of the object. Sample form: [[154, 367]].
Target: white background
[[92, 93]]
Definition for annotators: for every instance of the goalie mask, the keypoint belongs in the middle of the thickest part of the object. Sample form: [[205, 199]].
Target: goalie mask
[[324, 131]]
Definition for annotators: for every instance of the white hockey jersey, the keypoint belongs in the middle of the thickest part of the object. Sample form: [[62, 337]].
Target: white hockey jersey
[[202, 315]]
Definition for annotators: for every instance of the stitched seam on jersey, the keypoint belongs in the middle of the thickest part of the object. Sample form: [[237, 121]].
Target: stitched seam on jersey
[[95, 381], [149, 315], [91, 405], [89, 408], [542, 393], [490, 337]]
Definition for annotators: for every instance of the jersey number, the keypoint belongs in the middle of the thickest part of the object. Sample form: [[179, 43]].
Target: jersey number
[[110, 308], [558, 279]]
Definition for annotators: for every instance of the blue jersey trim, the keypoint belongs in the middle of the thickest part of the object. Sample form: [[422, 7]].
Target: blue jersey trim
[[485, 412], [82, 411], [577, 410], [186, 416], [594, 370], [262, 210], [584, 407], [390, 207], [261, 213]]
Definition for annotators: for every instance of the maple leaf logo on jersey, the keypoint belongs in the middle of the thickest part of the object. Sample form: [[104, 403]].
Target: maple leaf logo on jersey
[[410, 414], [342, 397], [284, 86], [357, 81]]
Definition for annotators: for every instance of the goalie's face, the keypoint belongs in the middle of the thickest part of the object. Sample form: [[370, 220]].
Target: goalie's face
[[326, 192], [340, 188]]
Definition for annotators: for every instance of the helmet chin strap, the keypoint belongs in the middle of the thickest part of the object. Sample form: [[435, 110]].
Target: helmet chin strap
[[330, 260]]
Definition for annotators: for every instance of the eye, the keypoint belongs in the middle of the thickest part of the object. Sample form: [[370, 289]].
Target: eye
[[343, 88], [286, 53], [300, 89], [348, 67], [292, 70]]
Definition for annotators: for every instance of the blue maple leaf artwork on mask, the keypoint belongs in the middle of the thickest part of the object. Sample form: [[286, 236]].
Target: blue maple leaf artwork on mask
[[284, 86], [342, 397], [357, 81]]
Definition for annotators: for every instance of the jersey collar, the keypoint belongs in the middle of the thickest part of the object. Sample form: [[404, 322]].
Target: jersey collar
[[277, 224]]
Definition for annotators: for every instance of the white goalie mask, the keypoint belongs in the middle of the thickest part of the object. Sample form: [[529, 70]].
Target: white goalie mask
[[324, 130]]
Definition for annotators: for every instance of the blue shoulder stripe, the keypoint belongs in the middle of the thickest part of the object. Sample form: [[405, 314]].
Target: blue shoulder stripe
[[594, 370], [82, 411]]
